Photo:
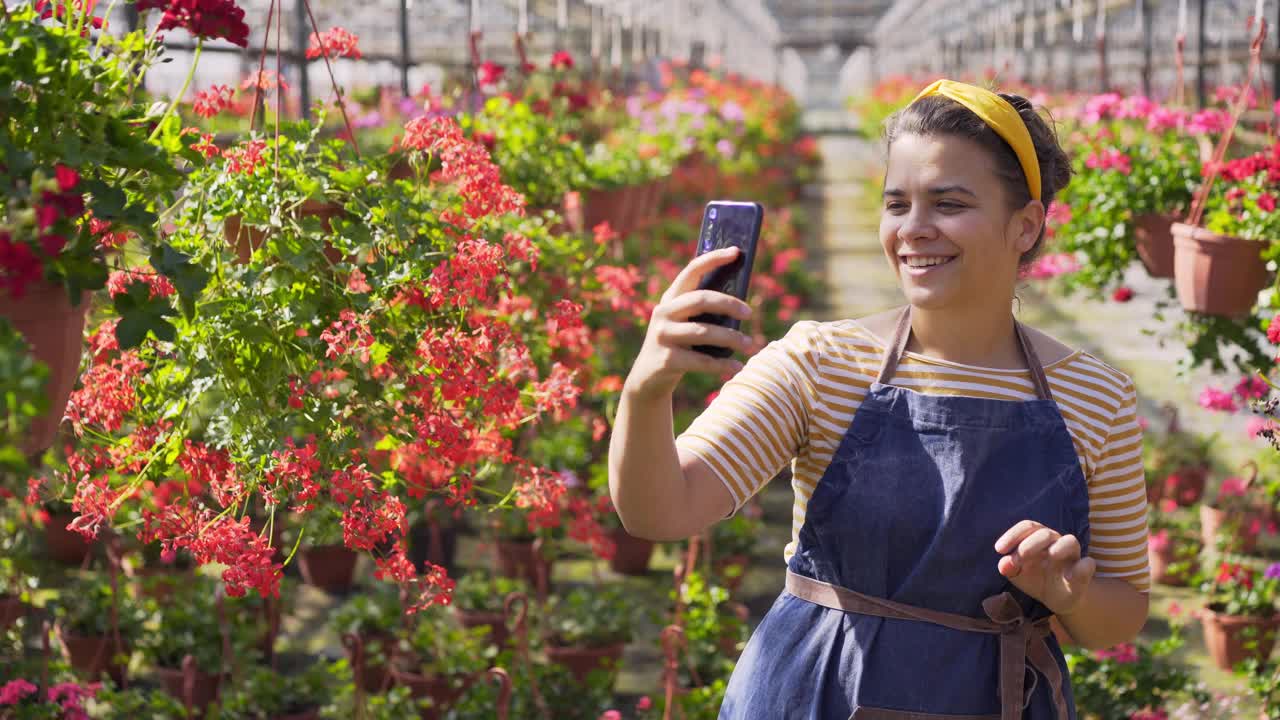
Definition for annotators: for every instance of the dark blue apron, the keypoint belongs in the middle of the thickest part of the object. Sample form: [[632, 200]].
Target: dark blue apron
[[894, 608]]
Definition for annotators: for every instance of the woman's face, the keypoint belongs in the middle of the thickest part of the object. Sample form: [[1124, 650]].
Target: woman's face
[[946, 227]]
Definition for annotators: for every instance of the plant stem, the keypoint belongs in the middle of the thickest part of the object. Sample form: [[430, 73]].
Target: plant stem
[[191, 73]]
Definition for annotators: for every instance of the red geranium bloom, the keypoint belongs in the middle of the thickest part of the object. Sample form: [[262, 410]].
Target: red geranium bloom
[[208, 19], [1122, 294], [562, 60], [69, 178], [490, 73], [212, 101], [334, 42]]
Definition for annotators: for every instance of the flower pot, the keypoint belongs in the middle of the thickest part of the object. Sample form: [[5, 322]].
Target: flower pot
[[520, 559], [1232, 639], [244, 239], [632, 554], [1245, 539], [1216, 274], [1171, 550], [612, 206], [92, 655], [198, 693], [1153, 238], [581, 661], [54, 329], [495, 621], [331, 568], [439, 688], [308, 714], [375, 676], [1185, 486], [65, 546], [11, 608], [437, 545]]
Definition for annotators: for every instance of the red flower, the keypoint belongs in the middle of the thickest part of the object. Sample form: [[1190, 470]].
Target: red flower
[[52, 244], [1273, 330], [1122, 294], [208, 19], [246, 157], [264, 80], [212, 101], [1266, 202], [562, 60], [119, 281], [490, 73], [67, 177], [334, 42]]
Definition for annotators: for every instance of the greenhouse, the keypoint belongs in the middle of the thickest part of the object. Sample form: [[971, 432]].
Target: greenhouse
[[618, 360]]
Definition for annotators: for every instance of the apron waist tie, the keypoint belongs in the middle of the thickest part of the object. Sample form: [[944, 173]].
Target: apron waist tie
[[1022, 641]]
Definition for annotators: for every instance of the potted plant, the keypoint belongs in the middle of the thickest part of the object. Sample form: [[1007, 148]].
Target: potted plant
[[1237, 514], [1173, 548], [98, 626], [438, 660], [261, 693], [196, 639], [479, 601], [25, 698], [85, 164], [433, 535], [324, 561], [1177, 462], [158, 577], [1239, 616], [1219, 263], [715, 631], [522, 549], [119, 704], [372, 618], [19, 576], [587, 628]]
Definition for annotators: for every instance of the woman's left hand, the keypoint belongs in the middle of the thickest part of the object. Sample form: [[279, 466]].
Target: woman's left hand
[[1046, 565]]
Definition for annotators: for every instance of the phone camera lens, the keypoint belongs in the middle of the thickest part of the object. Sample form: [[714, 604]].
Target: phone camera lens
[[712, 214]]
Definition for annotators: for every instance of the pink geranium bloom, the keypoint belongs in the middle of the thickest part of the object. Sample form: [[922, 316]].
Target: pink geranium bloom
[[1135, 106], [1208, 122], [1232, 487], [1212, 398], [1254, 427], [1161, 118], [1099, 106]]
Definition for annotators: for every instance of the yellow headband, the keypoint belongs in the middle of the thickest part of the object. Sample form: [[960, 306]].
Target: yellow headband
[[1000, 116]]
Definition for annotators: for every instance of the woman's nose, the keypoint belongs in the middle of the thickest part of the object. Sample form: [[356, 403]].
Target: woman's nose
[[917, 224]]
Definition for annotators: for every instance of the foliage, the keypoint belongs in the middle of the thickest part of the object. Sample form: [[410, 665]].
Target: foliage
[[438, 647], [591, 617], [1129, 678], [484, 591], [191, 622], [711, 627], [118, 704], [1235, 589], [564, 695], [85, 606], [261, 693], [22, 396]]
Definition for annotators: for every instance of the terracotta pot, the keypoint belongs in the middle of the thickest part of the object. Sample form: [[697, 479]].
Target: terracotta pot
[[519, 559], [331, 568], [1232, 639], [11, 608], [441, 550], [1216, 274], [495, 621], [375, 677], [65, 546], [244, 239], [54, 329], [721, 566], [204, 686], [633, 553], [1212, 521], [1153, 238], [1171, 552], [437, 687], [612, 206], [582, 660], [1185, 486], [92, 655]]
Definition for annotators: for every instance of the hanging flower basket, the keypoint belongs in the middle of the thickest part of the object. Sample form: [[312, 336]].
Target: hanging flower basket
[[331, 568], [1174, 558], [1216, 274], [195, 688], [632, 554], [1153, 238], [65, 546], [581, 661], [54, 329], [244, 239], [93, 655], [524, 559]]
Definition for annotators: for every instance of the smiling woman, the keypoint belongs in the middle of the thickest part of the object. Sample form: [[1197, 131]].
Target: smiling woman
[[959, 479]]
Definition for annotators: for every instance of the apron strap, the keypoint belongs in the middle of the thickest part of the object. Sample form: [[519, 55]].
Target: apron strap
[[902, 334], [1022, 641]]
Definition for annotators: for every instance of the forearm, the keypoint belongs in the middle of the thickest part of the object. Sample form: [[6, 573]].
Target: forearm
[[645, 478], [1113, 611]]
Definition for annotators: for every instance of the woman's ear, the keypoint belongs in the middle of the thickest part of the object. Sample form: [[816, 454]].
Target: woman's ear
[[1024, 226]]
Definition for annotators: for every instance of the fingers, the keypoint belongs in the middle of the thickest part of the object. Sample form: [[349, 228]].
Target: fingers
[[697, 302], [693, 361], [1014, 536], [693, 272], [688, 334], [1081, 571]]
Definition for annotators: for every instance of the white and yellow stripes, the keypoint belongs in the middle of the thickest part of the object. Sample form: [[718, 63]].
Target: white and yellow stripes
[[794, 401]]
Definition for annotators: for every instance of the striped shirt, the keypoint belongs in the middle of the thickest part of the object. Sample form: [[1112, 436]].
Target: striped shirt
[[794, 401]]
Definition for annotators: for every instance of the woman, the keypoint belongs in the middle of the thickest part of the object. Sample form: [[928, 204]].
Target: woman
[[959, 478]]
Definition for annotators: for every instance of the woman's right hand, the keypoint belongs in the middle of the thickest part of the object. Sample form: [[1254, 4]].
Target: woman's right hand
[[667, 353]]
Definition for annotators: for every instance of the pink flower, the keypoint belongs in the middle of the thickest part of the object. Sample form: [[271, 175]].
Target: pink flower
[[644, 703], [1159, 540], [1168, 505], [1162, 118], [490, 73], [1058, 214], [1252, 388], [1266, 202], [611, 715], [67, 177], [1135, 106], [1255, 426], [562, 60], [1232, 487], [1123, 653], [1208, 122], [1143, 424], [1273, 330], [1122, 294], [1109, 159], [1175, 610], [1099, 106], [1051, 265], [13, 691], [1150, 714], [1212, 398]]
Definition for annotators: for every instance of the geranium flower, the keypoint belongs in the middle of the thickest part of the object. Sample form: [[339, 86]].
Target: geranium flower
[[207, 19], [1122, 294], [118, 283], [1123, 653], [1252, 388], [1212, 398], [1232, 487], [1266, 202], [334, 42], [1109, 159], [212, 101], [490, 73], [13, 691], [1207, 122], [561, 60]]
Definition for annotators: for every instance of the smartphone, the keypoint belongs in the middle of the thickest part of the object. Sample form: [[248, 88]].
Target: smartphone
[[728, 223]]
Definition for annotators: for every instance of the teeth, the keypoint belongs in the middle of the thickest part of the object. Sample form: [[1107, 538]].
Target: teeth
[[920, 261]]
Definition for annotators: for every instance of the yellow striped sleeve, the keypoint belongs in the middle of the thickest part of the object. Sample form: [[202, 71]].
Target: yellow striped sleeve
[[761, 418], [1118, 495]]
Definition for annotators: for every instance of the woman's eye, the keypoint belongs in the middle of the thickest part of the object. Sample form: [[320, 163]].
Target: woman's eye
[[895, 206], [950, 206]]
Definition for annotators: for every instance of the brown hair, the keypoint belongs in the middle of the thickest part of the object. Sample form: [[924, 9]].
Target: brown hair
[[937, 115]]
